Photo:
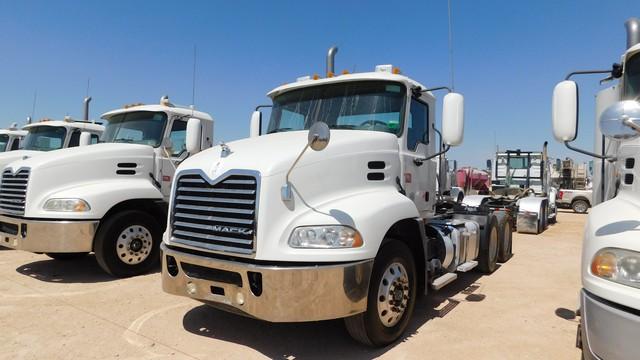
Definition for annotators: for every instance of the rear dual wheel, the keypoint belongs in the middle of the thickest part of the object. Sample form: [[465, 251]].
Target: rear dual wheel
[[489, 246]]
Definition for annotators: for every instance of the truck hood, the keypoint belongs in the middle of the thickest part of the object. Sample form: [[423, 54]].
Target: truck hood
[[11, 156], [275, 153]]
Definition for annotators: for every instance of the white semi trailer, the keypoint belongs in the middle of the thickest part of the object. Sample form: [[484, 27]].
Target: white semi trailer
[[610, 297], [267, 228], [109, 198], [48, 135]]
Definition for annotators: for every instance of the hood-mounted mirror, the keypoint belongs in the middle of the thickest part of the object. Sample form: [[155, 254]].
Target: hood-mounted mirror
[[621, 121]]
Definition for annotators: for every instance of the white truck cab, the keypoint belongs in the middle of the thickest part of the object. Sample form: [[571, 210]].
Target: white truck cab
[[610, 297], [333, 212], [109, 198], [48, 135], [11, 138]]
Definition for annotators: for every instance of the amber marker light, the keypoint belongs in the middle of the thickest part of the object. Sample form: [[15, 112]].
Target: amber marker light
[[604, 265]]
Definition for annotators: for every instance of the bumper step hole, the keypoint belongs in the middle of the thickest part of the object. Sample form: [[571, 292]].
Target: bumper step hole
[[255, 282], [216, 290], [172, 265]]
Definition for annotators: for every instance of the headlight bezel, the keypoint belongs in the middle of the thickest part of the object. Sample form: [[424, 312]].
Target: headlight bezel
[[300, 238], [621, 266], [66, 205]]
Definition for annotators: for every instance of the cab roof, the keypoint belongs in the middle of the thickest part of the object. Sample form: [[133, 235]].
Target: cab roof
[[365, 76], [13, 132], [82, 125], [180, 111]]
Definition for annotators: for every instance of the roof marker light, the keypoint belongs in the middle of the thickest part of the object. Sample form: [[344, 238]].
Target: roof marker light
[[396, 70], [384, 68], [345, 72], [316, 77]]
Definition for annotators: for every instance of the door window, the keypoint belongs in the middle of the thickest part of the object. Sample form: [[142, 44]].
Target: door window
[[418, 132], [178, 137], [75, 139]]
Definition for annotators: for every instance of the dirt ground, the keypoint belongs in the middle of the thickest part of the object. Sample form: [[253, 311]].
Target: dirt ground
[[71, 310]]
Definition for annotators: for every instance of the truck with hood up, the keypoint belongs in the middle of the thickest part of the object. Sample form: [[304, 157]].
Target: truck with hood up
[[333, 212], [109, 198], [610, 296]]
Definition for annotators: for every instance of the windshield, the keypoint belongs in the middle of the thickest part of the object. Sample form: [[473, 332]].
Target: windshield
[[4, 140], [363, 105], [518, 163], [45, 138], [632, 77], [139, 127]]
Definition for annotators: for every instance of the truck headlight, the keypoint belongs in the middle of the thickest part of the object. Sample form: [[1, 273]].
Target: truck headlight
[[67, 205], [618, 265], [325, 237]]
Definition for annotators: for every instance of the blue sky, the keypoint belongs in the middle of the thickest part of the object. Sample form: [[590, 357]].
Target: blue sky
[[508, 55]]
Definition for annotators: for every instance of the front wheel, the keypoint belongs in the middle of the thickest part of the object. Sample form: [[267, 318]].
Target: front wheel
[[128, 243], [391, 299]]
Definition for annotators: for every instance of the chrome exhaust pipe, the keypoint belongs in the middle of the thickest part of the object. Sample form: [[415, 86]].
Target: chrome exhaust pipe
[[331, 55], [87, 100], [633, 32]]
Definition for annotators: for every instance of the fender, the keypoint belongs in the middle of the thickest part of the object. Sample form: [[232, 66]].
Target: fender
[[529, 214], [101, 197], [371, 213]]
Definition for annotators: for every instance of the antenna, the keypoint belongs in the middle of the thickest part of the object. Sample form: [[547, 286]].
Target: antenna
[[193, 85], [35, 99], [450, 46]]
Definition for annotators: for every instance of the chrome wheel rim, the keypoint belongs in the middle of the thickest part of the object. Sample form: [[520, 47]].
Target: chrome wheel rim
[[393, 294], [580, 207], [134, 244]]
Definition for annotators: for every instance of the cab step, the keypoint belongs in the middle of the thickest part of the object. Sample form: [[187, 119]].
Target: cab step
[[469, 265], [440, 282]]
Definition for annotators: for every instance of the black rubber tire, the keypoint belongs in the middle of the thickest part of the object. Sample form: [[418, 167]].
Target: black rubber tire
[[580, 206], [460, 198], [105, 243], [488, 259], [66, 256], [505, 252], [366, 327]]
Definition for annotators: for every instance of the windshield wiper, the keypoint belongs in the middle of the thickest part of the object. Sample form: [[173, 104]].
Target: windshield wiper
[[279, 130], [124, 140]]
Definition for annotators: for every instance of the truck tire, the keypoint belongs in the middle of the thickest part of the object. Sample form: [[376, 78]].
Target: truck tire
[[66, 256], [391, 299], [580, 206], [128, 243], [489, 246], [505, 252]]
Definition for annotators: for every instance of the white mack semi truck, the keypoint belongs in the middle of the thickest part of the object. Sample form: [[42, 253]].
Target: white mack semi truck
[[351, 228], [11, 138], [109, 198], [610, 297], [48, 135]]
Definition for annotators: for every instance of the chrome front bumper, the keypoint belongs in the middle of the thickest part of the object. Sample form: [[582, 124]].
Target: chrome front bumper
[[271, 293], [608, 331], [47, 235]]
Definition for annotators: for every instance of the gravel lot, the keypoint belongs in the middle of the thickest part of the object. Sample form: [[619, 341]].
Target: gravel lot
[[71, 310]]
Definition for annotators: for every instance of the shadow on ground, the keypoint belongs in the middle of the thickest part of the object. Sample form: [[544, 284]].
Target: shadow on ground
[[325, 338], [83, 270]]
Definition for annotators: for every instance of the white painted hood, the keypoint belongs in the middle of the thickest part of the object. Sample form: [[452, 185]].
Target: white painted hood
[[11, 156]]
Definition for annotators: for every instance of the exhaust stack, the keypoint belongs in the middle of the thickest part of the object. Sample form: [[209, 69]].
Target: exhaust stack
[[28, 120], [633, 32], [331, 55], [87, 100]]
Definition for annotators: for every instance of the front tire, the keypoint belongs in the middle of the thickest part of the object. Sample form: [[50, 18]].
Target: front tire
[[391, 299], [128, 243]]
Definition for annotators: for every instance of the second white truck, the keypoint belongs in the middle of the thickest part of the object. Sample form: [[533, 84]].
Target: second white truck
[[109, 198]]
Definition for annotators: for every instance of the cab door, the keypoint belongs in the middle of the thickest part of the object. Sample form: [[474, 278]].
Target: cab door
[[419, 177]]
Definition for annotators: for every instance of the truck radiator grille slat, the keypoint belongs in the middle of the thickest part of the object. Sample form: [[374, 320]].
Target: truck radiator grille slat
[[13, 191], [215, 217]]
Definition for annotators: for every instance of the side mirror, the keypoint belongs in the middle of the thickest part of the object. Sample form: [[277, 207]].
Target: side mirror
[[489, 164], [256, 124], [85, 138], [452, 119], [319, 135], [621, 121], [193, 136], [565, 111]]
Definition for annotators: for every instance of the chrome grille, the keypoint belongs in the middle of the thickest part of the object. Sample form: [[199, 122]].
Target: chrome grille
[[218, 217], [13, 191]]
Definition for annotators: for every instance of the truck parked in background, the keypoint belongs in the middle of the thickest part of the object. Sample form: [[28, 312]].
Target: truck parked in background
[[578, 200], [47, 135], [351, 228], [109, 198], [610, 297], [11, 138]]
